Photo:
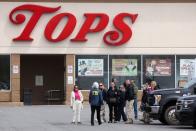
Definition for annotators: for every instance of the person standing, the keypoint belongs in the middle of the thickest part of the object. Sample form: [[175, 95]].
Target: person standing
[[116, 82], [104, 94], [149, 89], [76, 104], [129, 96], [121, 104], [135, 99], [95, 100], [112, 96]]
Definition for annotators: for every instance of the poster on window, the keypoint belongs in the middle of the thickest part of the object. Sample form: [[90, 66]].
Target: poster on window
[[90, 67], [187, 67], [158, 67], [124, 67]]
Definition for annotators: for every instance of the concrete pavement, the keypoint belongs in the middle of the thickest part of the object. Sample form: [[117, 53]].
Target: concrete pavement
[[58, 118]]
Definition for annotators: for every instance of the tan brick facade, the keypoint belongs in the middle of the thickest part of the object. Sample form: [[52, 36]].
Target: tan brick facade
[[15, 79], [70, 61], [5, 96], [12, 95]]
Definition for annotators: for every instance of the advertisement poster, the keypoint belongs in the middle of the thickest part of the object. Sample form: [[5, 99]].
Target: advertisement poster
[[90, 67], [124, 67], [187, 67], [158, 67]]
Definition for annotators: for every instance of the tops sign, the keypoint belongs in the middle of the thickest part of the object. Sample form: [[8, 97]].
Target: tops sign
[[120, 36]]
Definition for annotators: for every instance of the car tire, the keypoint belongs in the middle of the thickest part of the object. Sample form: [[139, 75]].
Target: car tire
[[170, 117]]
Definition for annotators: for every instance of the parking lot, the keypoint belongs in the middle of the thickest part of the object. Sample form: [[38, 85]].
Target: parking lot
[[58, 118]]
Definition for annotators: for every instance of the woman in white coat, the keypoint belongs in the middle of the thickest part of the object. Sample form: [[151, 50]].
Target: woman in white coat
[[76, 104]]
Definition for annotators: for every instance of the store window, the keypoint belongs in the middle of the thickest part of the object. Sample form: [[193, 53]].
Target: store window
[[123, 67], [4, 72], [91, 68], [185, 69], [160, 68]]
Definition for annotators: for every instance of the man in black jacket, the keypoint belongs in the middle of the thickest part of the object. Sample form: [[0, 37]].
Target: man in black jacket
[[121, 104], [129, 96]]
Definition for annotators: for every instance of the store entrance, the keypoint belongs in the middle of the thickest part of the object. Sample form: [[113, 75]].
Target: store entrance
[[42, 79]]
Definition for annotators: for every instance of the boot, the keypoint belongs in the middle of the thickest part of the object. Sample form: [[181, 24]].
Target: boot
[[129, 121], [146, 118]]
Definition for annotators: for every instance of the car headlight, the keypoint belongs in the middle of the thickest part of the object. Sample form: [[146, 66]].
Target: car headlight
[[157, 99], [186, 103]]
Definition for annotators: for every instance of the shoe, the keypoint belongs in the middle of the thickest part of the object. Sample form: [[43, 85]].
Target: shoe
[[129, 121], [142, 119], [104, 120], [79, 123], [136, 117], [109, 121], [92, 124], [115, 121], [100, 123]]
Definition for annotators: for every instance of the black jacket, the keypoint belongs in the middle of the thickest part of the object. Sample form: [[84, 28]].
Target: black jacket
[[129, 95], [104, 94], [112, 94], [121, 97]]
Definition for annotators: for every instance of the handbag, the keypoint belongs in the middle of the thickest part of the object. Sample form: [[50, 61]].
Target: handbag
[[112, 100]]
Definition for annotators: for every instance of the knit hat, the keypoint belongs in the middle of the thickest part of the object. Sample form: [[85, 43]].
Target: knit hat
[[95, 85]]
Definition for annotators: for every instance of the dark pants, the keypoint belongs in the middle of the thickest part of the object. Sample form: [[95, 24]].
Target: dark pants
[[121, 112], [97, 108], [112, 111]]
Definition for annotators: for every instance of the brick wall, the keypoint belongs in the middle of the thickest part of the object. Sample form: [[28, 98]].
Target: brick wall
[[69, 61], [15, 79], [5, 96], [12, 95]]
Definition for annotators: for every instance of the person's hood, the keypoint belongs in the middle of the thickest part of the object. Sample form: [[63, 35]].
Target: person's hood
[[95, 85]]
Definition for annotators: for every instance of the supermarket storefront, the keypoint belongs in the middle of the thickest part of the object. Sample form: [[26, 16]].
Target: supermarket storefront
[[46, 48]]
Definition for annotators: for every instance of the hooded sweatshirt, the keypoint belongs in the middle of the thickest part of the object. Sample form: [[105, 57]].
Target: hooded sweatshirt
[[95, 96]]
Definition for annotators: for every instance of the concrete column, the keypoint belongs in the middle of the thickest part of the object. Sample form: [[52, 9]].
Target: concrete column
[[69, 74], [15, 78]]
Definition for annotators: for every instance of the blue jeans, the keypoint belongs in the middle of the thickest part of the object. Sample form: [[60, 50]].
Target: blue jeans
[[135, 107]]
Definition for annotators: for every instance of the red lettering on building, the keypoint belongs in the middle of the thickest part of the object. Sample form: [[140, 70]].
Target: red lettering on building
[[86, 27], [122, 27], [67, 30], [37, 11], [120, 36]]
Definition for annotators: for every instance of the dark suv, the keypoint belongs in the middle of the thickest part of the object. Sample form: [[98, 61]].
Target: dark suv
[[165, 102], [186, 110]]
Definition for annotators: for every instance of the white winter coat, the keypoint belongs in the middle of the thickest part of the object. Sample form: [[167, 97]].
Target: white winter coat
[[73, 100]]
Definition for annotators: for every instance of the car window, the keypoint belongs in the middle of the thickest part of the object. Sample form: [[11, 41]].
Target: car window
[[190, 83]]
